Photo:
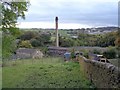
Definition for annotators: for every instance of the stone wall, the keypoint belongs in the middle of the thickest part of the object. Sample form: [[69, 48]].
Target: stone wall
[[57, 51], [27, 53], [103, 75]]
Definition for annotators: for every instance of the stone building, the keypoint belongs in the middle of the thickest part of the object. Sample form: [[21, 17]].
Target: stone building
[[26, 53], [57, 51]]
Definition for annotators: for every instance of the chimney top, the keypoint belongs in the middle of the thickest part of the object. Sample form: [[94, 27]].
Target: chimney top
[[56, 18]]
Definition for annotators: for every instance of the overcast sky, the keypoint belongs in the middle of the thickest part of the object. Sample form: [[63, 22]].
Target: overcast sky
[[71, 13]]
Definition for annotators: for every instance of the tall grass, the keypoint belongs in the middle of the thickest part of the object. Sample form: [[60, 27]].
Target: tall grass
[[43, 73]]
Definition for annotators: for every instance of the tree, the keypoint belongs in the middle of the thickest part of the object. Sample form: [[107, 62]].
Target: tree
[[11, 11], [35, 43], [28, 35], [66, 42], [117, 41], [106, 40], [8, 46], [41, 40], [110, 53]]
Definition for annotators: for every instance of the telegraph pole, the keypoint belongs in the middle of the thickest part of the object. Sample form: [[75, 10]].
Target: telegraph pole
[[57, 37]]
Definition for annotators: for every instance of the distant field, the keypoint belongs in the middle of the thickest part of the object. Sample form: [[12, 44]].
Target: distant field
[[46, 72], [61, 32]]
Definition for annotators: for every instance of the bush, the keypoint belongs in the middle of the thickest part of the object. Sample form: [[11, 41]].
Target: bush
[[25, 44], [36, 43], [117, 42], [95, 51], [85, 53], [66, 42], [8, 45], [73, 53], [44, 50], [110, 53], [28, 35], [41, 40]]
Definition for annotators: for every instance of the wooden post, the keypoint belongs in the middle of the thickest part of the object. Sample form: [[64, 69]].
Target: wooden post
[[57, 37]]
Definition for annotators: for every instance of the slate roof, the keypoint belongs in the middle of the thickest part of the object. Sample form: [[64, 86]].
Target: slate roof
[[58, 48], [26, 50], [23, 53]]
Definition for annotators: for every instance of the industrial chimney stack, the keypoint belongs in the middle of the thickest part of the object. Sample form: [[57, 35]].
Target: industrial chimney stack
[[57, 37]]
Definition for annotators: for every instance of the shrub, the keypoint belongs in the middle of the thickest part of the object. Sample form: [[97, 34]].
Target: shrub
[[36, 43], [25, 44], [8, 45], [41, 40], [44, 50], [66, 42], [95, 51], [28, 35], [117, 42], [110, 53], [73, 53], [85, 53]]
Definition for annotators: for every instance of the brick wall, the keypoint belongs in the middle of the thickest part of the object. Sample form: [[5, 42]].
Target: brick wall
[[103, 75]]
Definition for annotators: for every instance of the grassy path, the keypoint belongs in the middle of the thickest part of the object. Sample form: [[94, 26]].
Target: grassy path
[[44, 73]]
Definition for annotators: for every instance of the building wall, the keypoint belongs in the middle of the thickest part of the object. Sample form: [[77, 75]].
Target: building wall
[[28, 55], [23, 55], [103, 75], [38, 54], [57, 51]]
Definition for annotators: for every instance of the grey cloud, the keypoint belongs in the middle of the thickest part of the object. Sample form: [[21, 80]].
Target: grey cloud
[[74, 12]]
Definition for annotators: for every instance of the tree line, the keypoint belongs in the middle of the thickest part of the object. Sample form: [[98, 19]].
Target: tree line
[[11, 11], [39, 40]]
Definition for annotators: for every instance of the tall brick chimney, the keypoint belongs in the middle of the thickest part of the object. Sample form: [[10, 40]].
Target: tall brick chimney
[[57, 37]]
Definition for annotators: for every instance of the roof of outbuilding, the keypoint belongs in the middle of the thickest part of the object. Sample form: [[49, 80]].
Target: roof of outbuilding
[[26, 50], [58, 48]]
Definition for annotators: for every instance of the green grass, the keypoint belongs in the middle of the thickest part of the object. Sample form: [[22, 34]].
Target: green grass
[[43, 73]]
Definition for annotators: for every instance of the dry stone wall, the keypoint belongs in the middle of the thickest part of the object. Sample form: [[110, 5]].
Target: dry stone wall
[[103, 75]]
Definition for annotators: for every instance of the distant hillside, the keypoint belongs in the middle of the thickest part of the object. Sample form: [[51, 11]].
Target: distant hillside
[[75, 32]]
